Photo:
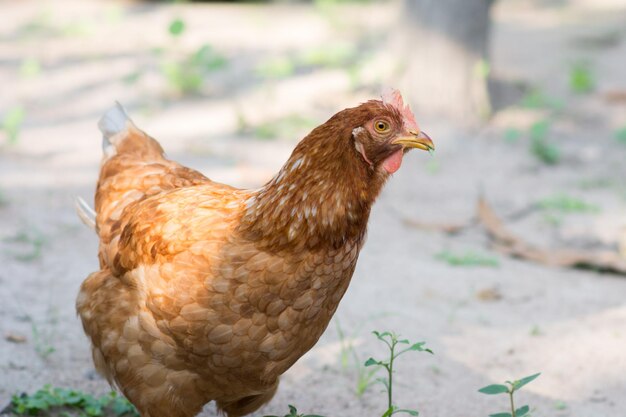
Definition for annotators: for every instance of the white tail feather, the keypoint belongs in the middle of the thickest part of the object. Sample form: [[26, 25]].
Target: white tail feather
[[114, 121], [85, 212]]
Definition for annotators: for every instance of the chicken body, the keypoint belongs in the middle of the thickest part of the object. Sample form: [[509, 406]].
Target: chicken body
[[208, 292]]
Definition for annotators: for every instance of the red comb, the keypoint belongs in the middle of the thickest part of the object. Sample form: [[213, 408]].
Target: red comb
[[392, 97]]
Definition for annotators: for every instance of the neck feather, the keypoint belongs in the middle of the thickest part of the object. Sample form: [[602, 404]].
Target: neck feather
[[321, 197]]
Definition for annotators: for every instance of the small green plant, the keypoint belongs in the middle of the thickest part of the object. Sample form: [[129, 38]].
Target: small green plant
[[510, 388], [512, 135], [537, 99], [187, 75], [278, 67], [581, 79], [469, 258], [27, 245], [293, 412], [394, 345], [365, 375], [540, 147], [42, 343], [337, 54], [176, 27], [71, 403], [566, 204], [289, 127], [12, 123], [620, 135]]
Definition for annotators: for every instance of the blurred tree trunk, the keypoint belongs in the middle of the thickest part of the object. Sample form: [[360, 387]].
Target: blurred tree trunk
[[446, 46]]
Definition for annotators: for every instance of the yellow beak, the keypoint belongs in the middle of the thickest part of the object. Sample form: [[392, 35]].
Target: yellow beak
[[419, 140]]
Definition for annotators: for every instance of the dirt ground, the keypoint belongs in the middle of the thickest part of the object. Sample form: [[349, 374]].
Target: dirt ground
[[65, 62]]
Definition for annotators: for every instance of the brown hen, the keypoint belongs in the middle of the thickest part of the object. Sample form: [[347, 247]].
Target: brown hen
[[208, 292]]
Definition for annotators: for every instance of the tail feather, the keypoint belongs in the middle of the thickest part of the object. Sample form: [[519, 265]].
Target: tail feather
[[114, 121], [85, 212]]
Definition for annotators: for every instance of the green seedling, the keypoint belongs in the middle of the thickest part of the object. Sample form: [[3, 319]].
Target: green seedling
[[288, 127], [12, 123], [537, 99], [131, 78], [595, 183], [71, 403], [365, 376], [543, 150], [279, 67], [335, 55], [28, 245], [581, 79], [293, 412], [620, 135], [187, 75], [556, 207], [394, 344], [510, 388], [566, 204], [469, 258], [512, 135], [176, 27], [43, 347]]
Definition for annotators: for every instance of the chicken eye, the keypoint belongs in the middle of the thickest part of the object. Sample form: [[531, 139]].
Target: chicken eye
[[381, 126]]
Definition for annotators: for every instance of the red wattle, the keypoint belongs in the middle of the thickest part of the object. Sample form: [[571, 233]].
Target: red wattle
[[393, 162]]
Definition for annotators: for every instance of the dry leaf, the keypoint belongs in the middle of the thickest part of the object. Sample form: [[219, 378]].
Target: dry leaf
[[15, 338], [505, 242], [448, 228], [615, 96], [489, 294]]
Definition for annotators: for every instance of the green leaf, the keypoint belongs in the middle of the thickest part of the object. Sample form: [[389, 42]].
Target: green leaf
[[12, 123], [406, 411], [382, 335], [519, 384], [383, 381], [494, 389], [177, 27], [620, 135], [469, 258], [512, 135], [539, 130], [522, 411], [581, 78], [372, 362], [389, 412], [278, 67], [501, 415], [418, 347]]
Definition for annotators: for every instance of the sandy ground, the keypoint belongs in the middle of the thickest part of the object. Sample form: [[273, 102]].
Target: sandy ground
[[570, 325]]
